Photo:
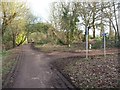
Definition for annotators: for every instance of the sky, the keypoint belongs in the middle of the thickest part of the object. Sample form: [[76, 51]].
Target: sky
[[41, 8]]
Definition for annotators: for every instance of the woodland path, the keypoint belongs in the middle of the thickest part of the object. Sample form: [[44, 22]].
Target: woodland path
[[35, 71]]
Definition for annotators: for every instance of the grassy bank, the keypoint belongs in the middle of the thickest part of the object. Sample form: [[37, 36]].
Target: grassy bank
[[3, 56], [8, 62]]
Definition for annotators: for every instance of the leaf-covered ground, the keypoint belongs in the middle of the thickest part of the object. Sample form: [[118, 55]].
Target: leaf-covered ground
[[95, 72]]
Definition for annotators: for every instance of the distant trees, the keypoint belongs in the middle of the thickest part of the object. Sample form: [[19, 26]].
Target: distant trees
[[72, 16], [40, 30], [69, 21]]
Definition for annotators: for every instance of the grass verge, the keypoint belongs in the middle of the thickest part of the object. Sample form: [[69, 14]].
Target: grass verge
[[8, 63]]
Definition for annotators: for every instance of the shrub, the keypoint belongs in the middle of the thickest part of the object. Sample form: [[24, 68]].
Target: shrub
[[98, 43], [44, 41]]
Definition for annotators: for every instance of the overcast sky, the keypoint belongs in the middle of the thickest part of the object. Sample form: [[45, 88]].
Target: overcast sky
[[40, 8]]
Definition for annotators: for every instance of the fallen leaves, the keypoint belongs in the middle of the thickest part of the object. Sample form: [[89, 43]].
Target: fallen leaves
[[93, 73]]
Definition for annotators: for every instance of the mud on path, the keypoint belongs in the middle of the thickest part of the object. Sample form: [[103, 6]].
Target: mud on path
[[35, 71]]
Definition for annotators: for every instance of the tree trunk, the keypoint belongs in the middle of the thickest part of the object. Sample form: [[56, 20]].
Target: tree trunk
[[84, 38], [110, 31], [88, 39], [116, 21], [101, 23], [14, 43], [68, 38], [93, 31], [93, 24], [3, 28]]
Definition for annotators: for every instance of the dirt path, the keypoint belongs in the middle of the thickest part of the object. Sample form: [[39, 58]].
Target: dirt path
[[35, 72], [81, 53]]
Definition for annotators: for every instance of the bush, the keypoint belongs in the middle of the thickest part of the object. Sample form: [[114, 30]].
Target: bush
[[117, 44], [98, 43], [110, 43], [59, 42], [44, 41]]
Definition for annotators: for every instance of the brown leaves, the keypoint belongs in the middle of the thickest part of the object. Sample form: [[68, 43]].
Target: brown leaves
[[96, 72]]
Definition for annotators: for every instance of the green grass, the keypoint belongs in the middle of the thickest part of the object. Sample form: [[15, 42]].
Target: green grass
[[7, 62], [3, 54], [6, 68]]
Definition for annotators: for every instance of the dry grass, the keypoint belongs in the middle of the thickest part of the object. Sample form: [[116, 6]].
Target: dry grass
[[61, 48]]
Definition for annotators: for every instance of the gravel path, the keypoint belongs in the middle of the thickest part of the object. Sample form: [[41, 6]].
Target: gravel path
[[35, 71]]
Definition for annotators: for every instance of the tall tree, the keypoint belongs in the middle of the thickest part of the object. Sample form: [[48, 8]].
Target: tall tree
[[111, 14], [13, 19], [67, 18]]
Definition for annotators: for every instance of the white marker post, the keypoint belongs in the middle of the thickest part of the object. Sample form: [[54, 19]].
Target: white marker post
[[104, 40], [104, 46], [86, 43]]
